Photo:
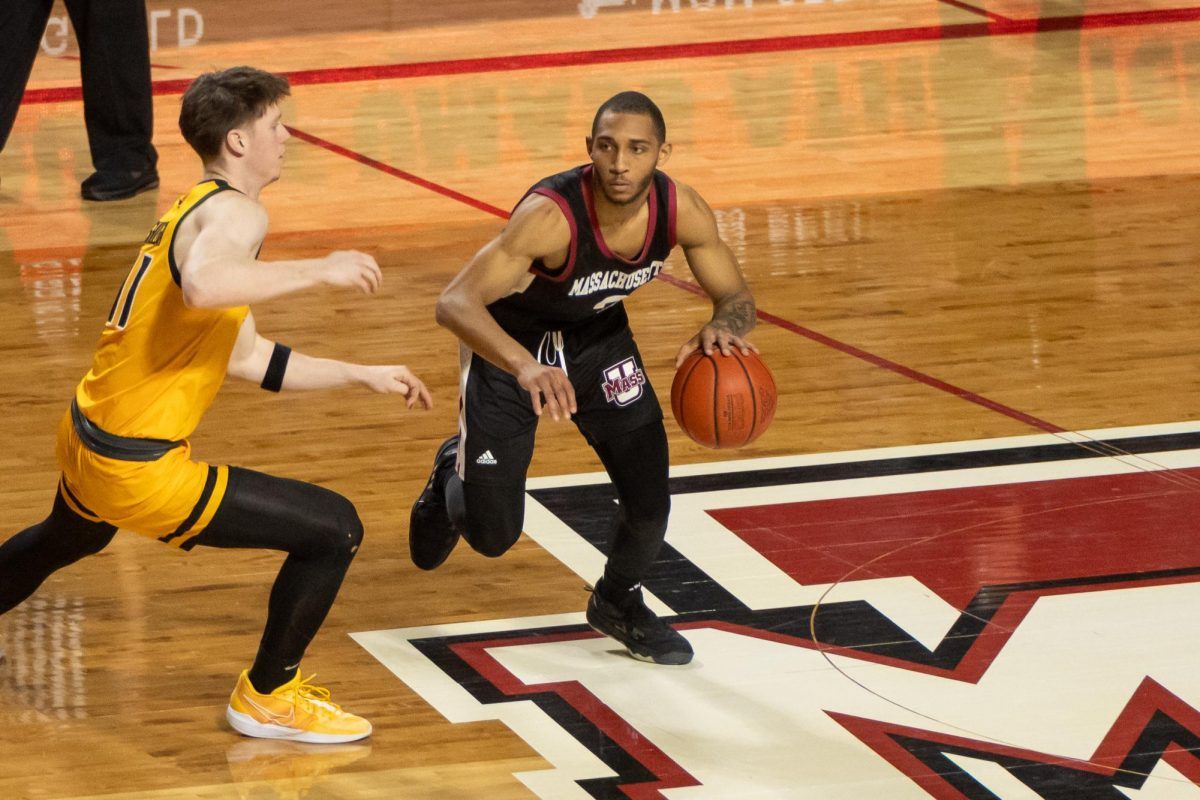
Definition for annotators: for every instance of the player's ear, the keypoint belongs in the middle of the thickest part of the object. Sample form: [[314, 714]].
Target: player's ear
[[664, 153], [236, 141], [588, 140]]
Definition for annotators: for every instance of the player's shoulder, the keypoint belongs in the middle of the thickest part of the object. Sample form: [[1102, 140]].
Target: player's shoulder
[[232, 200], [538, 227], [232, 208], [695, 223], [537, 212], [686, 197]]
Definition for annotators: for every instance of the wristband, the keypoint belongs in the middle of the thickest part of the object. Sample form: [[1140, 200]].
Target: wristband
[[273, 380]]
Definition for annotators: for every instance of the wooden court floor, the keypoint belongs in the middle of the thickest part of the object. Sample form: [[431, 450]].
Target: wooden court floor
[[971, 229]]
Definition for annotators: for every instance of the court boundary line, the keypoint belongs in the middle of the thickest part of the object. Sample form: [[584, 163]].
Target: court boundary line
[[765, 316], [1001, 26], [983, 12]]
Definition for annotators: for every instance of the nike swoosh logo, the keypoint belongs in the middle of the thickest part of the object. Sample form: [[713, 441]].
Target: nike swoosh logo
[[278, 719]]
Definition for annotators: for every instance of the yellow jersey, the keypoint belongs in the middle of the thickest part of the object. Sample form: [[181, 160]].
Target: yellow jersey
[[159, 364]]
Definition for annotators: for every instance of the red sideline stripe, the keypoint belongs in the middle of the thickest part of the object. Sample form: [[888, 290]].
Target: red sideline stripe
[[397, 173], [996, 27], [884, 363]]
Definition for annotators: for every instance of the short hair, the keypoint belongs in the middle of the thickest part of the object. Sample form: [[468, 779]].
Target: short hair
[[632, 103], [217, 102]]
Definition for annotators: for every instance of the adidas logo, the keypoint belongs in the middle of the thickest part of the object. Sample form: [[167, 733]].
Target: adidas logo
[[486, 458]]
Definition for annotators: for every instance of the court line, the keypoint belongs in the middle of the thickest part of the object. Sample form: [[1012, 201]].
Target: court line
[[983, 12], [780, 322], [396, 173], [774, 44], [883, 363]]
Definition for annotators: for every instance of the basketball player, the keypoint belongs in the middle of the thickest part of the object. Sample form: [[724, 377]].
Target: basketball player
[[543, 330], [177, 325]]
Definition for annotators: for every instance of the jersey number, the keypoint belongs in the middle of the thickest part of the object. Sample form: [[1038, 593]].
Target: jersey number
[[123, 302]]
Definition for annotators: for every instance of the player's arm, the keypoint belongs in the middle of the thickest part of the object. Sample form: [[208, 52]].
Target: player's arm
[[218, 268], [536, 229], [262, 361], [717, 271]]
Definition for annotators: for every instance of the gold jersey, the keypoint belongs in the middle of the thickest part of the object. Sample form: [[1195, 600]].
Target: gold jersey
[[159, 364]]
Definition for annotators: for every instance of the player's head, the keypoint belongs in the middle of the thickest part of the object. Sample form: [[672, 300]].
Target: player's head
[[233, 117], [628, 142]]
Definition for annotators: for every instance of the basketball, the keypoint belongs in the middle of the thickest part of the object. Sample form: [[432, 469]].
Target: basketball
[[723, 401]]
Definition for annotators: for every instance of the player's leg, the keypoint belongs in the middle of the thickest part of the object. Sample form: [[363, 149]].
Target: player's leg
[[637, 463], [31, 556], [488, 515], [477, 487], [621, 417], [320, 531], [21, 27], [492, 515]]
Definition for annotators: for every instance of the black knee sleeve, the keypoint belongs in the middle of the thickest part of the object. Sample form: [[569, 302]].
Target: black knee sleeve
[[494, 517], [347, 528], [304, 520]]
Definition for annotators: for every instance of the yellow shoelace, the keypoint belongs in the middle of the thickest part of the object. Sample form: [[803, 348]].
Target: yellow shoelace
[[318, 695]]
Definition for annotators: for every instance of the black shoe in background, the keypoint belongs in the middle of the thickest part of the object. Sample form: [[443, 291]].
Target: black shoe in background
[[117, 185]]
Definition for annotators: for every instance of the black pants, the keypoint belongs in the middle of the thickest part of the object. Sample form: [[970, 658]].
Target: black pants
[[637, 462], [114, 49], [317, 528]]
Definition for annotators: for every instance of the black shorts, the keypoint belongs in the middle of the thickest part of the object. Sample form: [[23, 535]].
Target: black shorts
[[612, 391]]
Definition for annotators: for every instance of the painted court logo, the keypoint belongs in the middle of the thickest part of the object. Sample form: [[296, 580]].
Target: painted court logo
[[623, 382], [1031, 678]]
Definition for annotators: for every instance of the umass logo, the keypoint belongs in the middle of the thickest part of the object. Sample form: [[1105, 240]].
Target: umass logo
[[623, 382]]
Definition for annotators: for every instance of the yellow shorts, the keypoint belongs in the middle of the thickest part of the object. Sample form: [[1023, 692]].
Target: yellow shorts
[[171, 499]]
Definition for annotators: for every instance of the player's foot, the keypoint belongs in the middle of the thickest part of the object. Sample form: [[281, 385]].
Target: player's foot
[[431, 534], [115, 185], [297, 711], [645, 636]]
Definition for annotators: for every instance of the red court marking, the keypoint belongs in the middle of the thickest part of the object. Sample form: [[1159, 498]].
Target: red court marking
[[959, 541], [883, 363], [775, 44], [397, 173], [983, 12], [1149, 703], [848, 349], [667, 772]]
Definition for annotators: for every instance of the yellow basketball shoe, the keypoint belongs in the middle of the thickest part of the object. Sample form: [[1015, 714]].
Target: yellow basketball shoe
[[297, 711]]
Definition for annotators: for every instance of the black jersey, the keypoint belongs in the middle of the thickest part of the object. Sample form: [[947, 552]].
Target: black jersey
[[593, 278]]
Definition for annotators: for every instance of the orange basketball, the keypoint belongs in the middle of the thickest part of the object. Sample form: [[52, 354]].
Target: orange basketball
[[723, 401]]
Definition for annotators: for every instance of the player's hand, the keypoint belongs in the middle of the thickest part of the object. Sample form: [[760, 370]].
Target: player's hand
[[550, 390], [712, 337], [397, 379], [350, 269]]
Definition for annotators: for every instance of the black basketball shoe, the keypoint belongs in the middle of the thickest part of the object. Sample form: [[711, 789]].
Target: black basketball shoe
[[645, 636], [431, 535]]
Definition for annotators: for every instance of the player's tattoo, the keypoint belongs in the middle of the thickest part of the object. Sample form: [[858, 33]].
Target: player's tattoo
[[735, 315]]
